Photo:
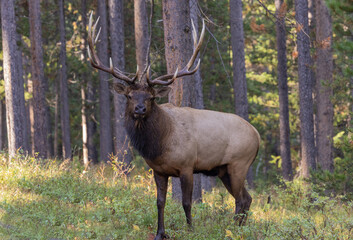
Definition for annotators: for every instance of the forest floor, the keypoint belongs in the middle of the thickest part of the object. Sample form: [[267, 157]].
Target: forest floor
[[60, 200]]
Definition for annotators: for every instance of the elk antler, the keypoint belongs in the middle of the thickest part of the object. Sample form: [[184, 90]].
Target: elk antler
[[162, 80], [96, 62]]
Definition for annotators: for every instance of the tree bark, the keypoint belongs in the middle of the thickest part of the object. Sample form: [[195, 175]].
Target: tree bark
[[178, 49], [39, 125], [207, 183], [121, 140], [56, 119], [87, 101], [239, 71], [141, 36], [65, 120], [324, 92], [305, 90], [106, 146], [287, 171], [3, 129], [85, 150], [13, 75]]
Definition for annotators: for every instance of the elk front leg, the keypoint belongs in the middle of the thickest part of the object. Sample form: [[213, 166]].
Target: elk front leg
[[186, 182], [162, 187]]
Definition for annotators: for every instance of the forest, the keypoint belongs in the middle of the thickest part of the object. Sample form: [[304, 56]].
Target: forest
[[68, 169]]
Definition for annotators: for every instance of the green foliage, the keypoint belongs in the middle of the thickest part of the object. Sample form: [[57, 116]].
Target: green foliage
[[343, 57], [340, 181]]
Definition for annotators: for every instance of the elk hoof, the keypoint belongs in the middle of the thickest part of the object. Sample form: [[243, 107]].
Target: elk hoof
[[161, 236], [240, 219]]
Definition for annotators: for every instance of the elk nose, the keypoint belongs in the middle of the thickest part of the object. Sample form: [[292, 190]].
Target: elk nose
[[140, 109]]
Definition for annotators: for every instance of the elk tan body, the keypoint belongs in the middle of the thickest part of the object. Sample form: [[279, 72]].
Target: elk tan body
[[180, 141], [202, 140]]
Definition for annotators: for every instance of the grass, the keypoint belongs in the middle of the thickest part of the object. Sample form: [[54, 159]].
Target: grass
[[60, 200]]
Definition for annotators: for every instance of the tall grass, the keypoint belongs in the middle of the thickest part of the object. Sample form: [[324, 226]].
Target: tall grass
[[62, 200]]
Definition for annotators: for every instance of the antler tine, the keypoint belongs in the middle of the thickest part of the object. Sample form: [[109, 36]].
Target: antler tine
[[197, 45], [94, 59], [148, 74], [136, 74], [170, 78]]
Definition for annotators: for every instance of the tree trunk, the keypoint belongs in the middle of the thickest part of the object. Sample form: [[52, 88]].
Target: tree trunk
[[178, 49], [141, 36], [13, 75], [305, 89], [207, 183], [3, 128], [324, 93], [240, 85], [26, 64], [312, 23], [88, 101], [65, 121], [287, 171], [39, 125], [106, 146], [121, 140], [56, 119], [85, 150]]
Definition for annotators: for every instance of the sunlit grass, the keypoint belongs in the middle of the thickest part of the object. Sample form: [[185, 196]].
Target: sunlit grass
[[52, 199]]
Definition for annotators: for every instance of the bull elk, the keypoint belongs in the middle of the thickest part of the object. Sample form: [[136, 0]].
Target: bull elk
[[180, 141]]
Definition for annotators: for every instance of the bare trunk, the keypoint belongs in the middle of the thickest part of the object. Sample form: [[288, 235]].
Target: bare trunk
[[85, 150], [106, 146], [88, 102], [312, 23], [3, 129], [351, 114], [27, 69], [305, 90], [39, 124], [287, 171], [178, 49], [121, 141], [65, 121], [91, 123], [84, 128], [14, 92], [56, 120], [141, 35], [324, 93], [240, 85], [207, 183], [2, 110]]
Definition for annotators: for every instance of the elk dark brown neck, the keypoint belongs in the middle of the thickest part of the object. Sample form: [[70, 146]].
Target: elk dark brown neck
[[148, 135]]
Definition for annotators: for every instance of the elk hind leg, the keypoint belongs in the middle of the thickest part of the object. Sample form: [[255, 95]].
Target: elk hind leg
[[242, 197], [243, 203]]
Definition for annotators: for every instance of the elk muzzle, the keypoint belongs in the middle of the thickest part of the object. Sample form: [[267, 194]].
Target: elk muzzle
[[140, 111]]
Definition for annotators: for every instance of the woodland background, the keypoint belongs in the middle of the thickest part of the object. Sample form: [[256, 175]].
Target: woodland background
[[70, 112], [286, 66]]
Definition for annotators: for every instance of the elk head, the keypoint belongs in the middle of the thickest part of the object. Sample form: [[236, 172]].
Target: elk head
[[140, 96]]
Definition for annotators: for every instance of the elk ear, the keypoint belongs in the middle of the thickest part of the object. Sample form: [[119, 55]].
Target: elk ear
[[119, 88], [162, 92]]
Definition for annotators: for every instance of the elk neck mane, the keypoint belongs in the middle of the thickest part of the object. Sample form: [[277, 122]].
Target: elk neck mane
[[148, 135]]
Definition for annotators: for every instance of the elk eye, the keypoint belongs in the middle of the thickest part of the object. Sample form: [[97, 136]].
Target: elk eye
[[128, 97]]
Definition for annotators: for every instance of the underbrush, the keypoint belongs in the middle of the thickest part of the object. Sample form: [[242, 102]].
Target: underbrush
[[62, 200]]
